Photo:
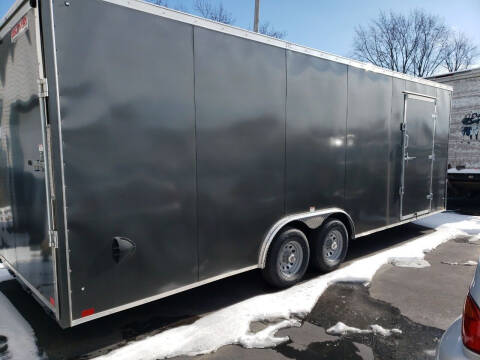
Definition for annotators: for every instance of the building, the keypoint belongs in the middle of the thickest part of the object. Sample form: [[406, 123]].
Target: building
[[464, 141]]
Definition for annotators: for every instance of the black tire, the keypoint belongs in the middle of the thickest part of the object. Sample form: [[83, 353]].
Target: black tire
[[325, 255], [287, 258]]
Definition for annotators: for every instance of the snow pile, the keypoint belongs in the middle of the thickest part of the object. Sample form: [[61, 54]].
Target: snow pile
[[4, 275], [466, 263], [266, 337], [463, 171], [342, 329], [409, 262], [21, 340], [231, 325], [474, 239]]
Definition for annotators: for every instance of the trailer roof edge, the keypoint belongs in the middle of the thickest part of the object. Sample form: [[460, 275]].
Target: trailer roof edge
[[144, 6], [148, 7]]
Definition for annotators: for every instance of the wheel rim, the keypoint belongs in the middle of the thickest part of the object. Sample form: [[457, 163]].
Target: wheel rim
[[290, 259], [333, 246]]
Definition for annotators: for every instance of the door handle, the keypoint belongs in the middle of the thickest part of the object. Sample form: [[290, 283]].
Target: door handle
[[407, 158]]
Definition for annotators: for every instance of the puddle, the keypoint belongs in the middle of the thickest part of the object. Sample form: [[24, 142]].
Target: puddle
[[328, 350], [351, 303]]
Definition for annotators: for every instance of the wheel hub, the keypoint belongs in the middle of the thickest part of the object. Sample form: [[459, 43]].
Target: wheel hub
[[332, 248], [290, 259]]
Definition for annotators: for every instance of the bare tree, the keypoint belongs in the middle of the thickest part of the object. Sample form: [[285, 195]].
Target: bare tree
[[165, 3], [432, 36], [159, 2], [416, 44], [267, 29], [460, 52], [215, 13]]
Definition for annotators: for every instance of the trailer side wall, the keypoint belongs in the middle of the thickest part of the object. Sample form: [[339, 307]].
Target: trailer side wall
[[240, 89], [128, 116], [193, 143]]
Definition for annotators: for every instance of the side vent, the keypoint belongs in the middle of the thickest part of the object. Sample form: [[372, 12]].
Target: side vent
[[122, 248]]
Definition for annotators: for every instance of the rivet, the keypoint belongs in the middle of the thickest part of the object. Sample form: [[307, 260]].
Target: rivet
[[67, 3]]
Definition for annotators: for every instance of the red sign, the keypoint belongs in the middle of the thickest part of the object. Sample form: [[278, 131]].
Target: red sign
[[19, 29]]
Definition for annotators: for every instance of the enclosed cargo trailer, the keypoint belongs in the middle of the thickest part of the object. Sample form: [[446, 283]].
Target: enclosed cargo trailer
[[146, 152]]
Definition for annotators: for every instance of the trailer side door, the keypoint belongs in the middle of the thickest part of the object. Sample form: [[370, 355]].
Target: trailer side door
[[418, 155]]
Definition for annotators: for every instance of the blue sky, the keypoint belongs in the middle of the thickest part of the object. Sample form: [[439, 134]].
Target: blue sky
[[329, 25]]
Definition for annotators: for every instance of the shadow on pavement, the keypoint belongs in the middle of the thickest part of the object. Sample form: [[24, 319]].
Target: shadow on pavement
[[99, 336]]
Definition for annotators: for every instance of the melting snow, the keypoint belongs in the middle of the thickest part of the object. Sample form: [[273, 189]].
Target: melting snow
[[409, 262], [463, 171], [266, 337], [20, 336], [466, 263], [341, 329], [231, 325], [474, 239], [430, 352], [4, 275]]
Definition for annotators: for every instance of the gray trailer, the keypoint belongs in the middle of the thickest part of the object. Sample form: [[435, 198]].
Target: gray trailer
[[145, 152]]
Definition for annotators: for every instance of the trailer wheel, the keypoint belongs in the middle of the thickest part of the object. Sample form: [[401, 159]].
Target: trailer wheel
[[329, 246], [287, 258]]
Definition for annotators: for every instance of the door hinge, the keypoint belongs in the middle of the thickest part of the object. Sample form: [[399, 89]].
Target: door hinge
[[434, 116], [53, 239], [401, 191], [403, 126], [42, 88], [431, 157], [430, 196]]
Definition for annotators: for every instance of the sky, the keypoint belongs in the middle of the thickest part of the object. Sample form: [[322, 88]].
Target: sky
[[329, 25]]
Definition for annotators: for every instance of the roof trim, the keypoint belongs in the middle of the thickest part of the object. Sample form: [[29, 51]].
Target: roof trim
[[246, 34]]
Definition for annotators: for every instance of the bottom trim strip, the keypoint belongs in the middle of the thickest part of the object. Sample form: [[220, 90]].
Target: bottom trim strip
[[160, 296], [413, 218], [37, 295]]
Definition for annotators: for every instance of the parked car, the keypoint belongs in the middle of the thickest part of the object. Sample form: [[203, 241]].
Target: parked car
[[462, 338]]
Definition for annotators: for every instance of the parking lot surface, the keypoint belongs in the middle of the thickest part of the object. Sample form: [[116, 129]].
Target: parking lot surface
[[412, 305]]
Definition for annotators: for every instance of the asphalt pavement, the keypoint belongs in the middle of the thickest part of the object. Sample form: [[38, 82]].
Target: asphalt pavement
[[419, 302]]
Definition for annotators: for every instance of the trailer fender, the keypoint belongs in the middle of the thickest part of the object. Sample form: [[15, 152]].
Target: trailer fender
[[312, 219]]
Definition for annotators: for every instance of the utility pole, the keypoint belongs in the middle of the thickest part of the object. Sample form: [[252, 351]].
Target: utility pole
[[257, 15]]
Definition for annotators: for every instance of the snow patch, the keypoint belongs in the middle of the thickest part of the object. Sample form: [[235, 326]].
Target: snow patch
[[21, 339], [266, 337], [466, 263], [463, 171], [409, 262], [4, 275], [430, 352], [341, 329], [231, 325], [474, 239]]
